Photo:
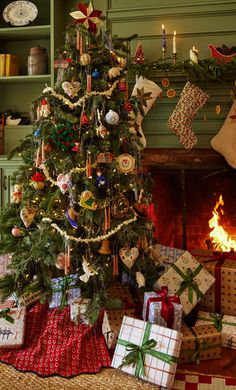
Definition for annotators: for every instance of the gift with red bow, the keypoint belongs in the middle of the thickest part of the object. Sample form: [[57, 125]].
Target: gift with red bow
[[162, 308]]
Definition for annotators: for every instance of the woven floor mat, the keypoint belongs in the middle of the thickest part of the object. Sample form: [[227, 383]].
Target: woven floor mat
[[107, 379]]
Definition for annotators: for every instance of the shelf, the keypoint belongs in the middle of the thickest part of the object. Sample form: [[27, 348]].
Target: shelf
[[24, 33], [44, 78]]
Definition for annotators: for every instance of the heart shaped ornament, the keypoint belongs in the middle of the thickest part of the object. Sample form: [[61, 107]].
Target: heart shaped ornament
[[129, 256], [27, 215], [64, 182]]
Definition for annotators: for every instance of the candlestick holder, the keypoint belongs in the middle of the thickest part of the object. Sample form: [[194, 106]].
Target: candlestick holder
[[164, 53], [174, 56]]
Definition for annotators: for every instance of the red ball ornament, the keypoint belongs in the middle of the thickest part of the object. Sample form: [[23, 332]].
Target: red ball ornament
[[16, 231], [127, 106], [84, 122]]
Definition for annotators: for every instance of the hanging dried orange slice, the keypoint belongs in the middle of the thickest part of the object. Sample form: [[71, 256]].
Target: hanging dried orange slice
[[171, 93], [217, 108]]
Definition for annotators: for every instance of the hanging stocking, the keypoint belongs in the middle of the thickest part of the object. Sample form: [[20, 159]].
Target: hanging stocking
[[192, 98], [224, 141], [147, 91]]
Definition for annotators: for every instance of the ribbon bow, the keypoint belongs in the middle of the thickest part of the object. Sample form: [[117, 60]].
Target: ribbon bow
[[64, 284], [189, 282], [137, 353], [217, 321], [167, 307], [4, 314]]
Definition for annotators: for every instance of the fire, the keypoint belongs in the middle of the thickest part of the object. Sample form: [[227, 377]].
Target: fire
[[220, 238]]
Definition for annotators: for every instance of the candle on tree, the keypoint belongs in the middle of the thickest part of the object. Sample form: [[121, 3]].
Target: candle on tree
[[174, 43], [163, 42]]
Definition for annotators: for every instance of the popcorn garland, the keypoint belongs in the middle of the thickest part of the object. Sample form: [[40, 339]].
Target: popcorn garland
[[73, 170], [93, 239], [81, 100]]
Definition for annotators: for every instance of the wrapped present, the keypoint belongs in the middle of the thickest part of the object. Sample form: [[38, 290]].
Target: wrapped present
[[12, 327], [165, 254], [111, 324], [188, 279], [162, 309], [30, 297], [148, 351], [78, 308], [220, 297], [223, 323], [64, 290], [5, 260], [120, 297], [200, 343]]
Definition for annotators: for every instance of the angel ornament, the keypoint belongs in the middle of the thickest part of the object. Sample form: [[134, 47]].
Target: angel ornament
[[88, 271]]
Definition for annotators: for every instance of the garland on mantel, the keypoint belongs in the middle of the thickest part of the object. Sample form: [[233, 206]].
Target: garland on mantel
[[206, 70]]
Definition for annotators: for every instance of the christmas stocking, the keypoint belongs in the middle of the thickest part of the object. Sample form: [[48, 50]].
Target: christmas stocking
[[224, 141], [192, 98], [147, 92]]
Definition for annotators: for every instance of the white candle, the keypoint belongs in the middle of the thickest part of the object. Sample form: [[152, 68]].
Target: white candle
[[174, 43]]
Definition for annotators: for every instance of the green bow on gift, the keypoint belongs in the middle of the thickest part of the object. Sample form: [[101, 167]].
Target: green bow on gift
[[217, 321], [137, 353], [67, 282], [4, 314], [188, 282]]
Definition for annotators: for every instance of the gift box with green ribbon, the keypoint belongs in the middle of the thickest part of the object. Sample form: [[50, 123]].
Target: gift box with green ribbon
[[223, 323], [165, 254], [200, 343], [220, 297], [12, 327], [64, 289], [78, 308], [147, 351], [188, 279]]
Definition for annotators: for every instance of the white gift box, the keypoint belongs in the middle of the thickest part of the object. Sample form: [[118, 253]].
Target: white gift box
[[12, 334], [160, 362], [78, 308], [5, 260]]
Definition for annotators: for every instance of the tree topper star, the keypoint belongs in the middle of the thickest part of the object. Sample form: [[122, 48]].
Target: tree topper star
[[143, 96], [87, 16]]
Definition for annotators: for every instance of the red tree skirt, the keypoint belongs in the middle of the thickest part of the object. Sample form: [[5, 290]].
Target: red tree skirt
[[56, 346]]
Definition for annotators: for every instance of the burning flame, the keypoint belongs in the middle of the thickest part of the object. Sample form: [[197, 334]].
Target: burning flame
[[220, 238]]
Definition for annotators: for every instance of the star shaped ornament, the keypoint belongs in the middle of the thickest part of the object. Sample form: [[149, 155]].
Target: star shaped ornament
[[87, 16], [143, 96]]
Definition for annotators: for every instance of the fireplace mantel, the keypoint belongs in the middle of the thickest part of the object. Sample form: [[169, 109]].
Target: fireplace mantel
[[176, 158]]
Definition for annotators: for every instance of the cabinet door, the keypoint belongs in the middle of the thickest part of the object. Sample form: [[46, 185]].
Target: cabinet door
[[6, 185]]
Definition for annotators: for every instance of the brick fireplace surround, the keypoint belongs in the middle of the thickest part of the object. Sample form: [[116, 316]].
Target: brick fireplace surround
[[187, 185]]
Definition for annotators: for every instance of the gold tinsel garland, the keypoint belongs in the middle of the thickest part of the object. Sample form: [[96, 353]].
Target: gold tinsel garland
[[93, 239]]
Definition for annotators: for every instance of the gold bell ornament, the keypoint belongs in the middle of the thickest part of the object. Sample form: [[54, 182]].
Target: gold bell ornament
[[105, 247]]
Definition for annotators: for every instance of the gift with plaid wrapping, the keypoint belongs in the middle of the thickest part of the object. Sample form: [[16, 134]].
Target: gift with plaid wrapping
[[148, 351], [12, 327], [64, 289]]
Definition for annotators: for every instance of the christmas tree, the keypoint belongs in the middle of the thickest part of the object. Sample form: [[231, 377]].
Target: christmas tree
[[81, 209]]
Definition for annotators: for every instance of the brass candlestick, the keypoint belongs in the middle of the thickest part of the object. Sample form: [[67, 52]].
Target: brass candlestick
[[174, 57]]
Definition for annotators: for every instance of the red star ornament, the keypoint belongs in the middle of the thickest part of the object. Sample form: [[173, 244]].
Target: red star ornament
[[87, 16]]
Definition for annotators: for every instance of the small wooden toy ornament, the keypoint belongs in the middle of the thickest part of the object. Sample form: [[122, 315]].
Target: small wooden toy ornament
[[87, 200]]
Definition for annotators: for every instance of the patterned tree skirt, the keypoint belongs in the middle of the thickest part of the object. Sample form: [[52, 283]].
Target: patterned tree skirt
[[56, 346]]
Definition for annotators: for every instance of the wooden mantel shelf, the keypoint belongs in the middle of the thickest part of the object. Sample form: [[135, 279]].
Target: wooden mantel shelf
[[181, 158]]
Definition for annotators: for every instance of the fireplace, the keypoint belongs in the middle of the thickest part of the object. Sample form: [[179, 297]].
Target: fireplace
[[188, 185]]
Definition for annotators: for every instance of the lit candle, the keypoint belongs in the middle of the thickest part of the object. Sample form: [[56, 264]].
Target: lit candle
[[174, 43], [163, 42]]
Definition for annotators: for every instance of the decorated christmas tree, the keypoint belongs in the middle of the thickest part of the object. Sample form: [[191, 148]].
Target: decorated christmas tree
[[81, 213]]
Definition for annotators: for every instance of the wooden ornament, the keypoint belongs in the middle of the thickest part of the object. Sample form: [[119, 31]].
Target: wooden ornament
[[105, 248], [88, 201], [120, 207], [27, 215], [129, 256], [140, 279], [85, 59]]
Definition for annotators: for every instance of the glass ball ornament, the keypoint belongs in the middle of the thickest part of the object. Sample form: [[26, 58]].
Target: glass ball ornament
[[85, 59], [112, 117], [96, 74], [113, 72], [16, 231], [38, 132]]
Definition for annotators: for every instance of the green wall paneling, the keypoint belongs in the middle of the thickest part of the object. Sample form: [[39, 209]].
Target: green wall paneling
[[13, 136]]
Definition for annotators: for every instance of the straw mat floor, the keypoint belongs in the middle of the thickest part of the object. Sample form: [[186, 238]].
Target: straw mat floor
[[107, 379]]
